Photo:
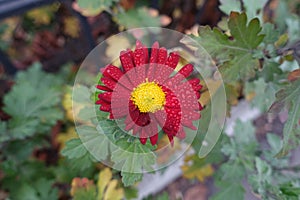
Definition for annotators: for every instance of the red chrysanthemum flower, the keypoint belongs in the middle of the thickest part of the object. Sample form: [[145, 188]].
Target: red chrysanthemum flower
[[150, 94]]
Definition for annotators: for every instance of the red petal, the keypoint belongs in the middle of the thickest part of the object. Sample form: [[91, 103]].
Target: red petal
[[140, 54], [198, 95], [140, 75], [136, 129], [101, 102], [138, 44], [119, 112], [173, 60], [108, 82], [143, 119], [146, 53], [124, 81], [134, 115], [160, 117], [153, 62], [154, 53], [139, 57], [162, 56], [113, 72], [126, 60], [153, 139], [189, 124], [143, 137], [105, 108], [195, 82], [181, 134], [186, 70], [200, 106], [106, 96], [143, 140], [103, 88]]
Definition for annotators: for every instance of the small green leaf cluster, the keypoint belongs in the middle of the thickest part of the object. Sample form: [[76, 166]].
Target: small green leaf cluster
[[249, 162], [33, 105], [110, 142]]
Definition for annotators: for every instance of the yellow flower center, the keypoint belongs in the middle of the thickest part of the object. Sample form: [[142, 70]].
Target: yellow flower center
[[148, 97]]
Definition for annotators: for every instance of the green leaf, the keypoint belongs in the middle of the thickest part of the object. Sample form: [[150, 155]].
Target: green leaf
[[252, 9], [111, 130], [255, 8], [13, 152], [244, 132], [293, 25], [270, 71], [228, 6], [92, 141], [94, 7], [131, 193], [244, 36], [3, 132], [133, 157], [229, 190], [89, 194], [289, 97], [242, 147], [33, 103], [282, 13], [262, 178], [25, 192], [264, 93], [74, 149], [136, 18], [83, 189], [264, 171], [271, 34], [83, 163], [235, 56], [95, 141], [81, 94], [131, 178], [290, 190], [45, 189], [39, 190], [274, 141]]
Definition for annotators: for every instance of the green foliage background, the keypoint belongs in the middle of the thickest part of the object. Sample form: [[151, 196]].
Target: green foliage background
[[258, 60]]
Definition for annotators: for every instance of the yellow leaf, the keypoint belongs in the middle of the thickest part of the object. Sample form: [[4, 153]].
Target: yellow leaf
[[62, 138], [115, 45], [107, 187], [10, 24], [67, 105], [282, 40], [104, 177], [43, 15], [232, 93], [207, 94], [71, 26], [112, 193], [198, 169]]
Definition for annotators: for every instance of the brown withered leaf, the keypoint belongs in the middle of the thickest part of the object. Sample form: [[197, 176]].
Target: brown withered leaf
[[294, 75]]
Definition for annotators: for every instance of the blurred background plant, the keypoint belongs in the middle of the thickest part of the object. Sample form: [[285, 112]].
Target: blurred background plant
[[256, 47]]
